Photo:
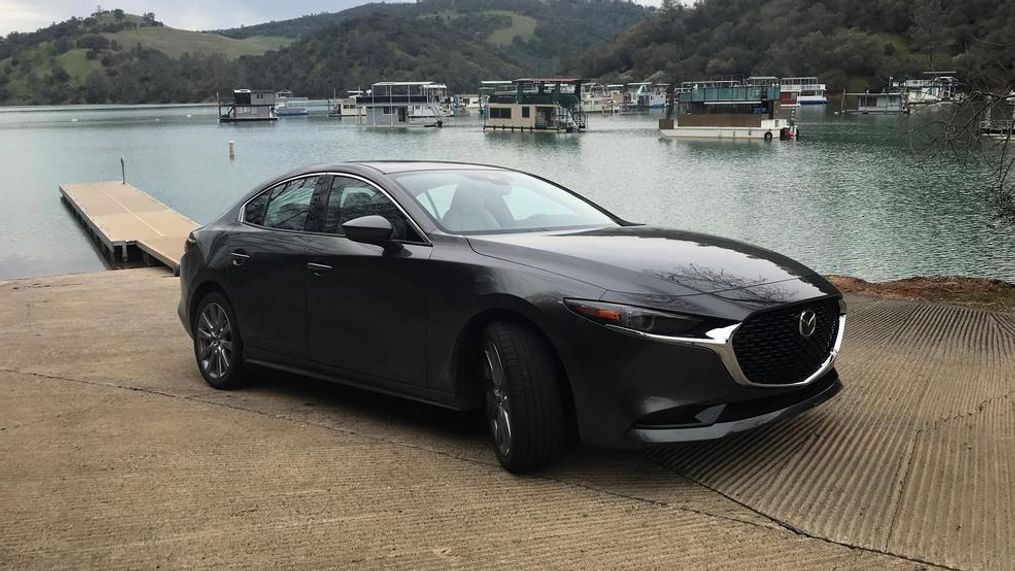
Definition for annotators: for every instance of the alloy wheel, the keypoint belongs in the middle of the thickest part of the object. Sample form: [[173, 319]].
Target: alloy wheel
[[214, 341], [498, 409]]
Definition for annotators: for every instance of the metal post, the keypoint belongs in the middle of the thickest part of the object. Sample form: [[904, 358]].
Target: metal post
[[123, 172]]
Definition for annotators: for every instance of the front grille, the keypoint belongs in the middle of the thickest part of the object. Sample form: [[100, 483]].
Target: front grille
[[771, 350]]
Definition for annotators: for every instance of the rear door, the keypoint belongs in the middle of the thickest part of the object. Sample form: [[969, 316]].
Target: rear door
[[367, 306], [267, 272]]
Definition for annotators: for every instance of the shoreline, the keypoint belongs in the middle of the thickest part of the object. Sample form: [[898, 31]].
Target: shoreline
[[980, 293]]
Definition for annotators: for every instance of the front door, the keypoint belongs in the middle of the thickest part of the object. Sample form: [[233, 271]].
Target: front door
[[267, 268], [403, 114], [367, 306]]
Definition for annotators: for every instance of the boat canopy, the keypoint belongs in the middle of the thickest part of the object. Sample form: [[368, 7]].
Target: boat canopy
[[401, 83]]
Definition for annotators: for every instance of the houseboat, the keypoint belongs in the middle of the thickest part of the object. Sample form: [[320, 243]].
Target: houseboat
[[728, 111], [618, 93], [346, 107], [402, 104], [596, 98], [891, 100], [998, 121], [468, 102], [646, 95], [933, 87], [787, 99], [808, 90], [489, 87], [247, 105], [537, 104], [287, 105], [439, 93]]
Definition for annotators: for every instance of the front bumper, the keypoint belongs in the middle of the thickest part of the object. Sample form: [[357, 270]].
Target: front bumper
[[633, 390], [722, 420]]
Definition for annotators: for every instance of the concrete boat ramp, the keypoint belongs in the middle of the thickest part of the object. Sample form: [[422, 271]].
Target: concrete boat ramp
[[116, 454]]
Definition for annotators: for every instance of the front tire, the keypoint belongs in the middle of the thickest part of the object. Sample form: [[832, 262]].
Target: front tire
[[522, 389], [218, 346]]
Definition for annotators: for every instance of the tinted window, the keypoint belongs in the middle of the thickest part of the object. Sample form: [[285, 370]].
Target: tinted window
[[498, 201], [351, 198], [253, 212], [289, 204]]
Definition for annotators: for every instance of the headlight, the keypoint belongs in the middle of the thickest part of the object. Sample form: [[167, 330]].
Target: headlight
[[642, 319]]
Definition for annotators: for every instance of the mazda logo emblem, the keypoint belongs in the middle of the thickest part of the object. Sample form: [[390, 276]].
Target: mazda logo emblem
[[808, 323]]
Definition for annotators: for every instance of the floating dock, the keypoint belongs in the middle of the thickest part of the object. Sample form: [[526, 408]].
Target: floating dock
[[122, 217]]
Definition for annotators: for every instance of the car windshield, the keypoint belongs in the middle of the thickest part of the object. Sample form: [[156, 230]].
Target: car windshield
[[469, 201]]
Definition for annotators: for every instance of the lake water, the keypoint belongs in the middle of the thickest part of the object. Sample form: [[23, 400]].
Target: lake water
[[851, 197]]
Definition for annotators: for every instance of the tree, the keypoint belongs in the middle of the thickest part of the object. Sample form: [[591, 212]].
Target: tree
[[118, 14]]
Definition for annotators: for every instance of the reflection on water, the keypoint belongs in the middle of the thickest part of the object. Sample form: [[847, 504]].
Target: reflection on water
[[852, 196]]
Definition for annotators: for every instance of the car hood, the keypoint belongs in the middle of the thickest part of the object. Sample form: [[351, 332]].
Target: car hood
[[647, 260]]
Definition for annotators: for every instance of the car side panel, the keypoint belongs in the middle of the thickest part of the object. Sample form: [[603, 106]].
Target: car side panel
[[465, 287]]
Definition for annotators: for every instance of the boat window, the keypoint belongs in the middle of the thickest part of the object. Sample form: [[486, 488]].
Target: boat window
[[525, 112], [352, 198], [466, 201], [289, 204], [500, 112]]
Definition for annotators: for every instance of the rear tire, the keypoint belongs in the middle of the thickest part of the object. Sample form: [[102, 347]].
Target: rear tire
[[218, 347], [522, 390]]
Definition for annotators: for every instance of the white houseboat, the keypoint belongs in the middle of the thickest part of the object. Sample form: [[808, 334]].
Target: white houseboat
[[537, 104], [933, 87], [646, 95], [808, 90], [247, 105], [403, 104], [598, 98], [469, 102], [288, 105], [728, 111], [892, 100], [346, 107]]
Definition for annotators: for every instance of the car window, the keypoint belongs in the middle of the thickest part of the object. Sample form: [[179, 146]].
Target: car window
[[289, 204], [253, 212], [498, 201], [437, 200], [351, 198]]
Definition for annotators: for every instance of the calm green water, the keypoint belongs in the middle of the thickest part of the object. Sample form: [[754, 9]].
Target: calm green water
[[850, 197]]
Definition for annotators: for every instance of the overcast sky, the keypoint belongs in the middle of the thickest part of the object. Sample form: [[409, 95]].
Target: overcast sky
[[30, 15]]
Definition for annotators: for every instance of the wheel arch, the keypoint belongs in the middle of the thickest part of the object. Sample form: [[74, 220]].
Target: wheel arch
[[465, 361], [203, 289]]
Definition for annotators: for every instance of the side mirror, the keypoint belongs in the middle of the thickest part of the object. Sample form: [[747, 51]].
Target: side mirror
[[371, 229]]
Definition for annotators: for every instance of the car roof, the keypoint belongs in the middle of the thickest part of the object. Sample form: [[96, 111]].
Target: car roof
[[388, 167], [391, 167]]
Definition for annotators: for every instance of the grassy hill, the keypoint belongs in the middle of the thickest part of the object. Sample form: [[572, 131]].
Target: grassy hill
[[112, 56], [174, 42], [55, 64]]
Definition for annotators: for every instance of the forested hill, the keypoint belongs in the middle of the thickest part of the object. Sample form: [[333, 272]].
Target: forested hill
[[115, 57], [845, 42]]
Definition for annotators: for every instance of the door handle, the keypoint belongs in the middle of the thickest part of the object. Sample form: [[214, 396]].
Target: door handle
[[239, 256], [318, 269]]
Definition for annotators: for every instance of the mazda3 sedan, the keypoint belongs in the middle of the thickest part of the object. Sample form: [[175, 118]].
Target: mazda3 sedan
[[471, 286]]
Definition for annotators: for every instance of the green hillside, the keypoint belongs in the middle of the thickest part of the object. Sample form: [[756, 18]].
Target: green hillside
[[57, 64], [845, 43], [174, 42], [116, 57]]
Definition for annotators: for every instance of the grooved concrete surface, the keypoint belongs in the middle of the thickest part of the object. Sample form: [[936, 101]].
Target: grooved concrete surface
[[115, 454]]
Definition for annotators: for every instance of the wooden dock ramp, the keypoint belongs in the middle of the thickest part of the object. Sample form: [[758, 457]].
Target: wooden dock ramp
[[122, 216]]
